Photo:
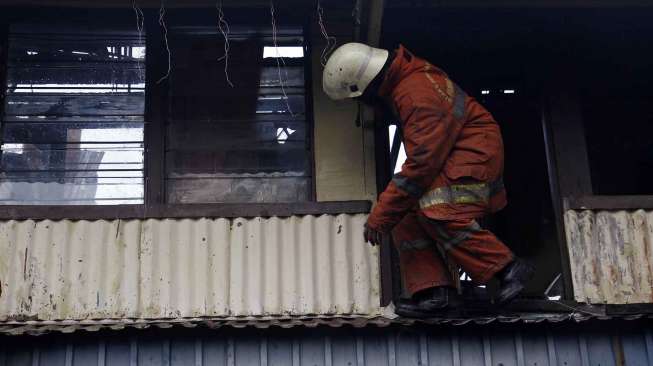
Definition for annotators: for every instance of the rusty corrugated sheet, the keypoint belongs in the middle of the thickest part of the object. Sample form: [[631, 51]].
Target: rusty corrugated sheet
[[611, 255], [187, 268]]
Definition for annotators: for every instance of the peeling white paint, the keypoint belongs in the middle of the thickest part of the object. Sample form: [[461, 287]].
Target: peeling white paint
[[611, 256], [187, 268]]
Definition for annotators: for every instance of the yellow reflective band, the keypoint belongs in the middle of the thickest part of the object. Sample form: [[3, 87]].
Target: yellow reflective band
[[466, 199], [461, 194]]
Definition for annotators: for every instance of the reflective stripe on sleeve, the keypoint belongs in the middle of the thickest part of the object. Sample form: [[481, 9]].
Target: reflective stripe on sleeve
[[407, 186], [459, 103]]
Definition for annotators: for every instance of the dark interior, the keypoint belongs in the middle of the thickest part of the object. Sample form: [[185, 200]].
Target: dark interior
[[606, 56]]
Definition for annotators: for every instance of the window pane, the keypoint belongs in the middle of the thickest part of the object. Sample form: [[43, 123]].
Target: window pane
[[246, 143], [72, 131]]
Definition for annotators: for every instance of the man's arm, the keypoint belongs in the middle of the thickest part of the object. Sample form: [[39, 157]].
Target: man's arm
[[431, 127]]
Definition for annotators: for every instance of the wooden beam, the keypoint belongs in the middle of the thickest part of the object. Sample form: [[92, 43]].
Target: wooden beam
[[156, 111], [374, 22], [568, 164], [4, 61], [155, 4], [568, 142], [216, 210], [609, 203], [339, 4], [430, 4]]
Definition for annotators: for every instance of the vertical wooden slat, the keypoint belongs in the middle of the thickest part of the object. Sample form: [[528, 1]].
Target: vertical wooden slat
[[308, 99], [155, 110], [551, 348], [133, 351], [4, 61], [568, 164], [519, 349], [101, 353], [390, 287], [455, 349], [69, 354]]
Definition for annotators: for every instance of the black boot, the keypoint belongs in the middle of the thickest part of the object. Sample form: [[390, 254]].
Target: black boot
[[434, 298], [426, 303], [513, 279]]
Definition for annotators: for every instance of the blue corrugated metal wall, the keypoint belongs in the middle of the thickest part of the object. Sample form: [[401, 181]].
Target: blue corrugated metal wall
[[590, 343]]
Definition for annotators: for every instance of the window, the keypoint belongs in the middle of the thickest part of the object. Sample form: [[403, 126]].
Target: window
[[243, 142], [497, 70], [73, 122], [72, 127]]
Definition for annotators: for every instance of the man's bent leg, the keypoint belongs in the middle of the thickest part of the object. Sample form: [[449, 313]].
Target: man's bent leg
[[477, 251], [420, 264]]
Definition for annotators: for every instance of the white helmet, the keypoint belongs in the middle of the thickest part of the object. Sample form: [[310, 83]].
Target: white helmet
[[350, 69]]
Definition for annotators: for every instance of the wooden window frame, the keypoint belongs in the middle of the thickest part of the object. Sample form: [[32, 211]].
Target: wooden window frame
[[156, 110], [569, 167]]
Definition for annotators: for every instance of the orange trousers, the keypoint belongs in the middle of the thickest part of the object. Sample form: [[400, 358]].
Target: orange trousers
[[425, 244]]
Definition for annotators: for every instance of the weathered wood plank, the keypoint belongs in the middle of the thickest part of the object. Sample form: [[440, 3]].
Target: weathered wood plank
[[74, 74], [75, 105], [238, 161], [245, 190]]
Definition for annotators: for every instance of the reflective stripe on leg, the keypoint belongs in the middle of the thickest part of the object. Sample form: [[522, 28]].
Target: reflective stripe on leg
[[448, 241]]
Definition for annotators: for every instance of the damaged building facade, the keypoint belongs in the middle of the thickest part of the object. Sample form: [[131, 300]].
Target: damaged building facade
[[169, 198]]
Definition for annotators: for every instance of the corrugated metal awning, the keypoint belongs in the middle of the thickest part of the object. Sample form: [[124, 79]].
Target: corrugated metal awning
[[611, 256], [171, 269], [31, 327]]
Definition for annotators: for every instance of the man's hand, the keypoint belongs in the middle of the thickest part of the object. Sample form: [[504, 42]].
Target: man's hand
[[372, 236]]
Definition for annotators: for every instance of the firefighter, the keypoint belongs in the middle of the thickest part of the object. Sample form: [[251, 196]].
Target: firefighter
[[452, 176]]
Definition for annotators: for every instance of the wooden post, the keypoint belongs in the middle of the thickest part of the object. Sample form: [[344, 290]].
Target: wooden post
[[155, 111], [4, 62], [568, 163]]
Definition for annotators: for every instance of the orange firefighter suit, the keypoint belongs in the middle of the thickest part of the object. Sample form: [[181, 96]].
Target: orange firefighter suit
[[452, 175]]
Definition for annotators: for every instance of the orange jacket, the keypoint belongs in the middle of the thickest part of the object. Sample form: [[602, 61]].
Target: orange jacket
[[453, 146]]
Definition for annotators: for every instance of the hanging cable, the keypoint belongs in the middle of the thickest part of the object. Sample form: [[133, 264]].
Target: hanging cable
[[356, 12], [356, 16], [279, 59], [162, 23], [223, 27], [330, 40], [140, 19]]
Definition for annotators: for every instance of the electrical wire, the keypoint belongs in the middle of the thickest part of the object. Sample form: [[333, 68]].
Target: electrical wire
[[330, 40], [223, 27], [577, 309], [279, 59], [162, 23], [140, 19], [356, 13]]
